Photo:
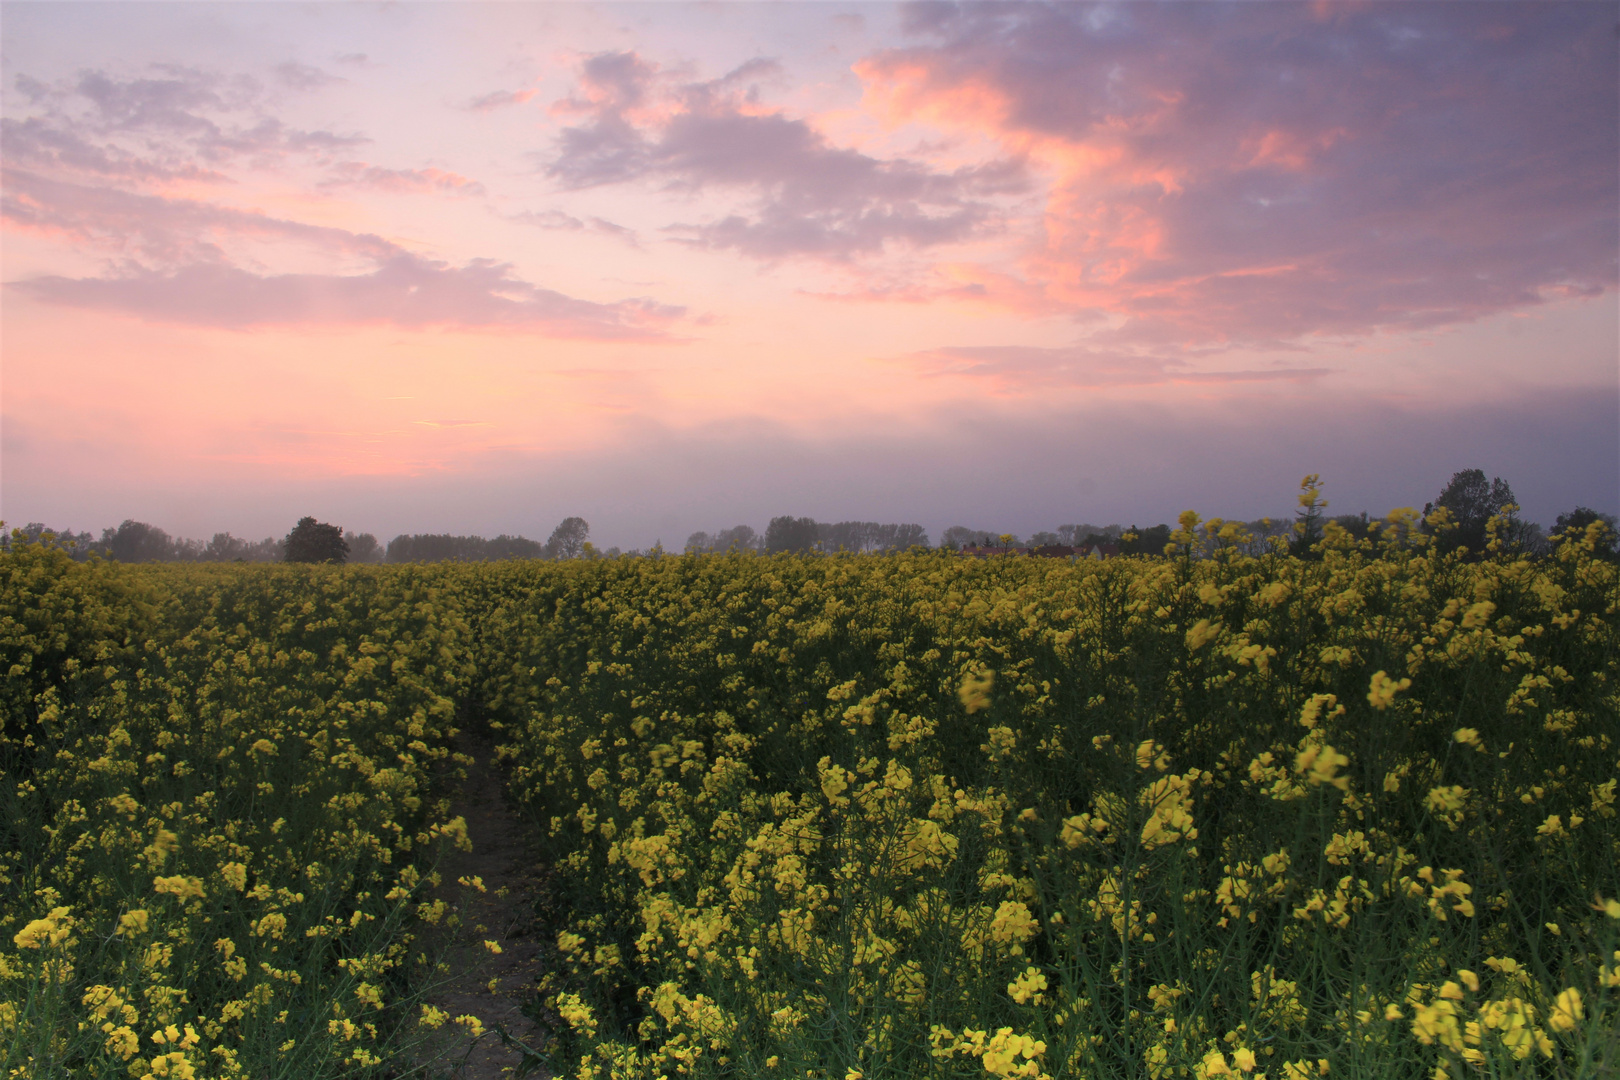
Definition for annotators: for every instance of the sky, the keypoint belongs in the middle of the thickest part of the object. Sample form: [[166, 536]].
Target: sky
[[473, 268]]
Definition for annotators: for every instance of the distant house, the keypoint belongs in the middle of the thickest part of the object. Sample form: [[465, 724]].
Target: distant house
[[1100, 551]]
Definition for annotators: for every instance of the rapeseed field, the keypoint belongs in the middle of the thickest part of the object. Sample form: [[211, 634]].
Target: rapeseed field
[[218, 815], [1215, 813]]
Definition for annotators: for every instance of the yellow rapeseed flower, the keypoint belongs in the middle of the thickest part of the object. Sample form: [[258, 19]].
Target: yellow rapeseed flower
[[1567, 1011], [53, 929], [1382, 690], [180, 886], [975, 690]]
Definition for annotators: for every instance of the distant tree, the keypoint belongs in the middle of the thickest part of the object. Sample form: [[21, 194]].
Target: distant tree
[[1266, 533], [1089, 535], [513, 547], [77, 545], [433, 547], [791, 534], [1573, 526], [1047, 539], [312, 541], [136, 541], [443, 547], [567, 540], [860, 536], [907, 536], [1469, 501], [1150, 541], [363, 547], [1357, 525], [960, 536], [846, 535], [224, 548], [267, 550], [737, 538]]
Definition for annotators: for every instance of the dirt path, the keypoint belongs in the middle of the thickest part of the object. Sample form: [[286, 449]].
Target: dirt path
[[491, 986]]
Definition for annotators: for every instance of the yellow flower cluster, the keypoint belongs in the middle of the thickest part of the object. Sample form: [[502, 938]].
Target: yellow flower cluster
[[1205, 815], [219, 807], [1225, 812]]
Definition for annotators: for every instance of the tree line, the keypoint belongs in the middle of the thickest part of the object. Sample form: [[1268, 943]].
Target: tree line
[[788, 533], [1459, 518], [309, 541]]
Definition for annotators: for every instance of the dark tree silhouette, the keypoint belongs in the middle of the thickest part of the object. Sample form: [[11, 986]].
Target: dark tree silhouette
[[960, 536], [443, 547], [136, 541], [568, 539], [314, 542], [1573, 525], [737, 538], [789, 533], [363, 547], [1150, 541], [1471, 501], [1357, 525]]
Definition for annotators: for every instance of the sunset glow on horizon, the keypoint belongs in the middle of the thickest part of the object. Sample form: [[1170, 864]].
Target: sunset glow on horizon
[[476, 267]]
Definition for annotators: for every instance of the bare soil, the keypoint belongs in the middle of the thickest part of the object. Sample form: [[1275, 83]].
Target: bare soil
[[483, 983]]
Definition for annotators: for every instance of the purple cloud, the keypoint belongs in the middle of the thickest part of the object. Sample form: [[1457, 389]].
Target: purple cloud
[[187, 276], [810, 198], [404, 291], [562, 222], [35, 143], [179, 119], [358, 174], [168, 232], [296, 76], [1263, 172]]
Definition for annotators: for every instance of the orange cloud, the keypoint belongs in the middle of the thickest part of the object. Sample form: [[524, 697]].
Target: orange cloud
[[1289, 149]]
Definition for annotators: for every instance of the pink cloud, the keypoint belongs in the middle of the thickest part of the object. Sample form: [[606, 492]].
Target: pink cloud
[[36, 144], [808, 197], [957, 283], [500, 99], [358, 174], [167, 231], [564, 222], [180, 271], [296, 76], [404, 291], [174, 122], [1243, 173], [98, 140]]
